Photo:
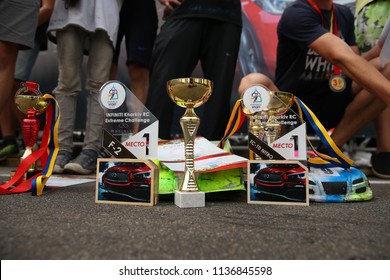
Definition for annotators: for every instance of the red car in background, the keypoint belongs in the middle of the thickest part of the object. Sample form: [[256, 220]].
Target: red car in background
[[259, 39]]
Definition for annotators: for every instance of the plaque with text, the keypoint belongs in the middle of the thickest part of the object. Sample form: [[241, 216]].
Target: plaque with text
[[130, 130]]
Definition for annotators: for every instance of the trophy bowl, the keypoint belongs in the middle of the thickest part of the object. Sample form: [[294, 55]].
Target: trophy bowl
[[281, 103], [189, 92], [26, 102]]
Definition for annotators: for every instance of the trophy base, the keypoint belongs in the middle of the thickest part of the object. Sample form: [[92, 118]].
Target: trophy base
[[190, 199], [25, 176]]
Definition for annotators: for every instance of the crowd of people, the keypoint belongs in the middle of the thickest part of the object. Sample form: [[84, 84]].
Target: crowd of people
[[318, 40]]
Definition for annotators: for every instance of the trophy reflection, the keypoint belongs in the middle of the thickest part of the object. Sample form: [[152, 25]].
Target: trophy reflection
[[30, 101], [263, 108], [189, 93]]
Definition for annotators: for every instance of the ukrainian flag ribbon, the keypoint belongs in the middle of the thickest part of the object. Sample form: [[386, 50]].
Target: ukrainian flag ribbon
[[47, 154], [335, 157]]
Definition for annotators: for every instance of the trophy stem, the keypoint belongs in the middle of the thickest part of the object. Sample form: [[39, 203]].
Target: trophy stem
[[189, 123]]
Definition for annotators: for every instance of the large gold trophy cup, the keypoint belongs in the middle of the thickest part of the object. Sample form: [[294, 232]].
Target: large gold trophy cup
[[189, 93], [263, 107], [31, 102]]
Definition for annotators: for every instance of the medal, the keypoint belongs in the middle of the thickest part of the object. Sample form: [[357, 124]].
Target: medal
[[337, 83]]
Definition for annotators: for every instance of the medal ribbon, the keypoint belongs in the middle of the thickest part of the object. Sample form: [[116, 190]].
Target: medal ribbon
[[333, 26], [336, 158], [47, 154], [235, 122], [336, 155]]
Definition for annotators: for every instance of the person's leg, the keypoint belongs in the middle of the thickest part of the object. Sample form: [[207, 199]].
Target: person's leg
[[99, 62], [364, 108], [140, 32], [219, 52], [381, 159], [8, 54], [139, 77], [69, 85], [175, 56], [10, 116]]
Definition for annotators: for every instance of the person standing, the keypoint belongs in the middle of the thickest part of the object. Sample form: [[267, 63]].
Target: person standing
[[78, 28], [205, 31], [10, 115], [138, 25]]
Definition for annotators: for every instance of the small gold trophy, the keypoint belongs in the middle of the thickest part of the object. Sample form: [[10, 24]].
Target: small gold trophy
[[263, 106], [189, 93], [30, 101]]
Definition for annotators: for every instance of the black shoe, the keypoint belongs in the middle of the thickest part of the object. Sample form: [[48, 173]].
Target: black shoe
[[381, 165]]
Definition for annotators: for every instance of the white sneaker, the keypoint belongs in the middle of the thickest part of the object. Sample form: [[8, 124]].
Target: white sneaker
[[362, 159]]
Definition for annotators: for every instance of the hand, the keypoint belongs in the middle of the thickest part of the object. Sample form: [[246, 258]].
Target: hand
[[170, 4]]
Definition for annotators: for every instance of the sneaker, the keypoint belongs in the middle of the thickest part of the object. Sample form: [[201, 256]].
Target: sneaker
[[84, 163], [362, 160], [63, 158], [7, 150], [381, 165]]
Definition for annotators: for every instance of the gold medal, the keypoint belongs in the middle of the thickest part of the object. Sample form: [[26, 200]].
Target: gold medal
[[337, 83]]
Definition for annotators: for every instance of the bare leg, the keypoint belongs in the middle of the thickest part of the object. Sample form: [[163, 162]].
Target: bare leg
[[8, 54], [139, 77]]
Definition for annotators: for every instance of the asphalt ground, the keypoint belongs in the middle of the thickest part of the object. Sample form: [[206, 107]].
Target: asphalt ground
[[66, 224]]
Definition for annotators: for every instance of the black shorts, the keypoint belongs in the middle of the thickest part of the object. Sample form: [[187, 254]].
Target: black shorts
[[328, 108], [138, 24]]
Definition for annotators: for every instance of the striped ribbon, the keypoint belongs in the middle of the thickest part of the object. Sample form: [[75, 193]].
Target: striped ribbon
[[235, 122], [336, 157], [47, 154]]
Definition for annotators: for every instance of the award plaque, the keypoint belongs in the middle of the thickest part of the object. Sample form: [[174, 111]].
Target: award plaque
[[130, 130], [189, 93], [130, 135], [275, 131], [277, 143], [31, 102]]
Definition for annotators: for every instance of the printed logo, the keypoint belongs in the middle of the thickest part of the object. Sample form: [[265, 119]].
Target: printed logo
[[112, 95], [256, 99]]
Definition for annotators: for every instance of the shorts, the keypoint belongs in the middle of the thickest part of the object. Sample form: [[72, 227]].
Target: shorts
[[370, 22], [18, 21], [328, 108], [138, 24]]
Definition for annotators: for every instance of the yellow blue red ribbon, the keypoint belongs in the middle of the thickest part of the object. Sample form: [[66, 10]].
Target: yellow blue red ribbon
[[47, 154]]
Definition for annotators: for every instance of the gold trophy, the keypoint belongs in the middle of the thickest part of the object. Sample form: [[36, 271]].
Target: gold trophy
[[189, 93], [30, 101], [263, 108]]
